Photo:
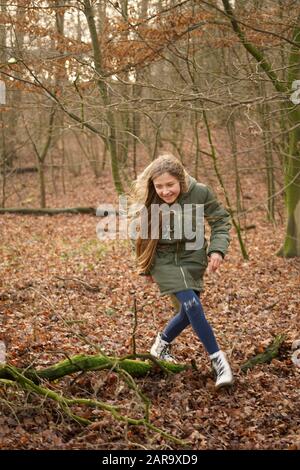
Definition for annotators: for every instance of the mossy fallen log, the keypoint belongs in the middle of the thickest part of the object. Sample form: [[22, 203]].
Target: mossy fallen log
[[84, 363], [20, 170], [48, 211], [270, 353], [65, 403]]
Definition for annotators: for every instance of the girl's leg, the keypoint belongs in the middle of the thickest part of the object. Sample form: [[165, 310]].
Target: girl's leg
[[161, 345], [191, 312], [191, 306], [175, 326]]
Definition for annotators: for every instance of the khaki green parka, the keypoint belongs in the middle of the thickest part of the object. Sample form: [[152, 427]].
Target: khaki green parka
[[175, 266]]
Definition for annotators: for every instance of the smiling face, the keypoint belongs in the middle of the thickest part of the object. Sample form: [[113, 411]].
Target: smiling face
[[167, 187]]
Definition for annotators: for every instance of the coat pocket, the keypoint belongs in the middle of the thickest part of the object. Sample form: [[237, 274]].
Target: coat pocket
[[195, 257]]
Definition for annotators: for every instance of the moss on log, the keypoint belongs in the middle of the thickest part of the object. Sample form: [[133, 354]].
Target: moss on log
[[48, 211], [266, 356], [80, 363]]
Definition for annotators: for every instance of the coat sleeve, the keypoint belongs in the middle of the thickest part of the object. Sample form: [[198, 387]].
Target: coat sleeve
[[219, 222]]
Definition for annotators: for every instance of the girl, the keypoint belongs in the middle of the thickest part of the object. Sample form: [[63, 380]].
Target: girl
[[168, 258]]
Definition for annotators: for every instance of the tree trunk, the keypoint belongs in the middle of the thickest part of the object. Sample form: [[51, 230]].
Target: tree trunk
[[112, 137], [41, 168], [291, 244]]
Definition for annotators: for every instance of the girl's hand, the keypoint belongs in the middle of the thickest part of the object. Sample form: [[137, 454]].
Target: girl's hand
[[215, 261]]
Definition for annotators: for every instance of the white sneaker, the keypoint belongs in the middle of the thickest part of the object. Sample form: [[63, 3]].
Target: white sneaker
[[161, 350], [222, 369]]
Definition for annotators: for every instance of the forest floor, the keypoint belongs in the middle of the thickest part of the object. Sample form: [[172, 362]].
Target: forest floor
[[63, 292]]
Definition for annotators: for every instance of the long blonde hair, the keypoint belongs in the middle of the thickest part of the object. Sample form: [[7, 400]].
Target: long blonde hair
[[143, 192]]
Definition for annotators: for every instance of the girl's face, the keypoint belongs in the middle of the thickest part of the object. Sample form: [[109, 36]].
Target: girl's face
[[167, 187]]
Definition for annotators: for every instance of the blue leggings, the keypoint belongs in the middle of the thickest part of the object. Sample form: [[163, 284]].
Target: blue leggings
[[191, 313]]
